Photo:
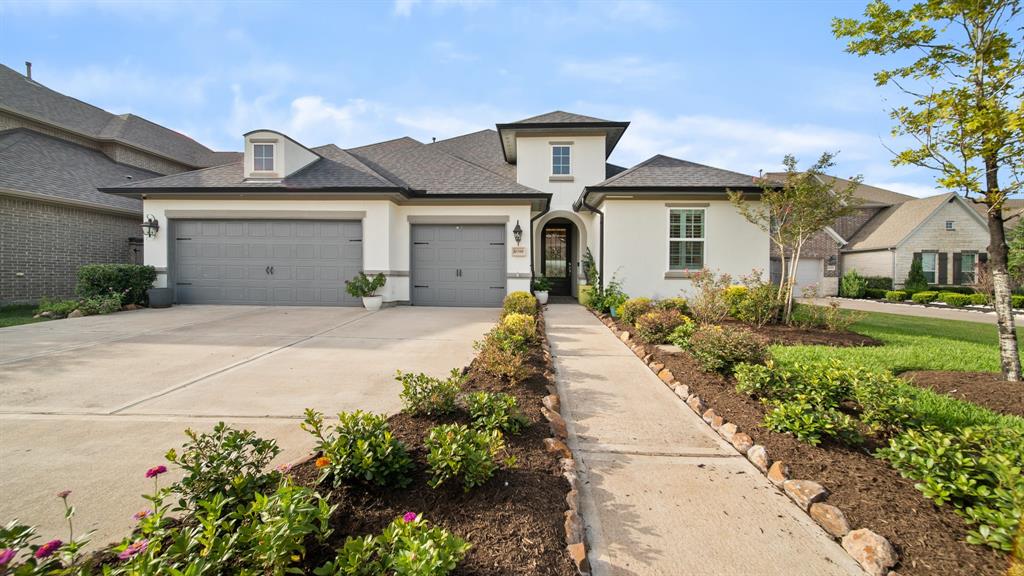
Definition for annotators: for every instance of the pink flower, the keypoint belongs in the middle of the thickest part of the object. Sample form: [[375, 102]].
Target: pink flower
[[409, 517], [6, 555], [156, 471], [284, 468], [63, 493], [48, 548], [133, 549], [142, 514]]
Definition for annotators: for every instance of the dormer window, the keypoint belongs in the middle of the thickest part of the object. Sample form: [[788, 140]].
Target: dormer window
[[561, 162], [263, 157]]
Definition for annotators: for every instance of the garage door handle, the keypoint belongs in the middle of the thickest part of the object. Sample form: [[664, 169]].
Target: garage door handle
[[356, 240], [267, 269], [182, 238], [420, 243], [183, 283], [497, 287], [420, 286], [271, 270]]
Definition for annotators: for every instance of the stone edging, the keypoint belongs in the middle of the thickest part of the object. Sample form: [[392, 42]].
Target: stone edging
[[875, 554]]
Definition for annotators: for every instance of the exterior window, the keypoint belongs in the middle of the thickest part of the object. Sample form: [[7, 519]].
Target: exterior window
[[686, 236], [560, 165], [967, 263], [950, 225], [263, 157], [929, 263]]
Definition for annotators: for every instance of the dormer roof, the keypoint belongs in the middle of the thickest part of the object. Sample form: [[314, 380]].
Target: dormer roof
[[559, 123]]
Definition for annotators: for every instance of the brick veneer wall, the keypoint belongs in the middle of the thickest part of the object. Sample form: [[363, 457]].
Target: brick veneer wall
[[48, 242]]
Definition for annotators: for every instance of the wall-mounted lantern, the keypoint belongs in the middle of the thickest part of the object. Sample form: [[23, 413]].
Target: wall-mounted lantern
[[518, 232], [150, 226]]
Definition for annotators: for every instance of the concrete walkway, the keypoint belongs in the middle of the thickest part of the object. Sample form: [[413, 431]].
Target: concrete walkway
[[911, 310], [661, 493]]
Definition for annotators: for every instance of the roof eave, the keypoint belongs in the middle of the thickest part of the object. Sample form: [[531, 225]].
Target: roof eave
[[610, 142]]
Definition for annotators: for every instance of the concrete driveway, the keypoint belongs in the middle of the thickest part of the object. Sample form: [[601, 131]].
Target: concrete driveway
[[88, 404]]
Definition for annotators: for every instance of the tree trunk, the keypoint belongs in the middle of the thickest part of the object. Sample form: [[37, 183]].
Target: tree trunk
[[794, 261], [997, 265]]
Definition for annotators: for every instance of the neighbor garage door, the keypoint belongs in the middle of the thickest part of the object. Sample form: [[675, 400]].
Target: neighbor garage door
[[282, 262], [458, 265], [808, 273]]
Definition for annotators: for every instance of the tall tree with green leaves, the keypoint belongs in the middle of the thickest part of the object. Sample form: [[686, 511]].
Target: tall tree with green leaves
[[960, 65], [795, 208]]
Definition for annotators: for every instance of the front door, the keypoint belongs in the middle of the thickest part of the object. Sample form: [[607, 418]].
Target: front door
[[556, 265]]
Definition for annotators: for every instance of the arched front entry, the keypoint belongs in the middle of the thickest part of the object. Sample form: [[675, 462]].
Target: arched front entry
[[558, 248]]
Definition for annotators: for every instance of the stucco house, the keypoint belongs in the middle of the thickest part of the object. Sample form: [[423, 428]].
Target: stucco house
[[54, 153], [457, 222]]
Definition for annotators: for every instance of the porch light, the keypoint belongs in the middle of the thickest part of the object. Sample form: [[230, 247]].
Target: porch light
[[150, 226], [518, 232]]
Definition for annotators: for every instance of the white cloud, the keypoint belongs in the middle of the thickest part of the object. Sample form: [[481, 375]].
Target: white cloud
[[448, 52], [404, 7], [618, 70]]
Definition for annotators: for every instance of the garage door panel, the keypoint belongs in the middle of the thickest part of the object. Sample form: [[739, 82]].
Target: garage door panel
[[439, 252]]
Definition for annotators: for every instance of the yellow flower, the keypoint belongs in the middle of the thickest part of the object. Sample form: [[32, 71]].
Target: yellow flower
[[323, 462]]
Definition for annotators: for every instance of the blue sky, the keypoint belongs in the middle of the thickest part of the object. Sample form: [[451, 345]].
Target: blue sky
[[731, 84]]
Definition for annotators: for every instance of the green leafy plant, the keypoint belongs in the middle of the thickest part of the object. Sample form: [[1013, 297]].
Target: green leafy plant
[[875, 293], [954, 299], [1017, 301], [896, 295], [495, 411], [677, 303], [93, 305], [634, 308], [422, 394], [612, 297], [224, 461], [520, 302], [362, 286], [129, 281], [520, 326], [275, 528], [541, 284], [916, 281], [924, 297], [734, 296], [58, 308], [456, 451], [503, 355], [656, 326], [852, 285], [810, 422], [759, 305], [360, 447], [709, 305], [832, 317], [680, 336], [878, 283], [980, 299], [718, 350]]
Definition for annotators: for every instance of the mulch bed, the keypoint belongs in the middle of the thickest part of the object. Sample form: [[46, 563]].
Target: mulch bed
[[793, 336], [515, 522], [986, 389]]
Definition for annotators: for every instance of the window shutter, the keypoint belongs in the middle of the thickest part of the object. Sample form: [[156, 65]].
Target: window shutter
[[942, 265], [917, 256], [957, 267], [982, 257]]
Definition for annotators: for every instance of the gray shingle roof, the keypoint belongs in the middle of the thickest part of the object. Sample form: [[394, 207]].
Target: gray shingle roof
[[891, 225], [559, 117], [871, 195], [666, 172], [41, 164], [28, 98], [482, 148]]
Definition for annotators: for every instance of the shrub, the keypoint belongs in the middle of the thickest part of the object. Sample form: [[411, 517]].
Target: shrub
[[408, 546], [955, 300], [634, 308], [360, 447], [362, 286], [495, 411], [520, 326], [680, 336], [957, 289], [656, 326], [975, 469], [916, 282], [734, 296], [809, 422], [925, 296], [980, 299], [503, 353], [718, 350], [540, 284], [611, 297], [1017, 301], [422, 394], [761, 305], [709, 305], [884, 406], [57, 307], [223, 461], [852, 285], [878, 282], [274, 529], [677, 303], [457, 451], [896, 295], [100, 304], [832, 317], [130, 281], [520, 303], [875, 293]]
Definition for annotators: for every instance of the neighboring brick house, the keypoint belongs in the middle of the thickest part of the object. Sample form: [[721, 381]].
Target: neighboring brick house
[[55, 151]]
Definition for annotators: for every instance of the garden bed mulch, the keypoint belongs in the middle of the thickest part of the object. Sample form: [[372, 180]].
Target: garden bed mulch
[[986, 389], [929, 539], [792, 335], [515, 522]]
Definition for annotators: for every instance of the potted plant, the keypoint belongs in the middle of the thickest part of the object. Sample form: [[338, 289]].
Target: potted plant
[[614, 297], [362, 286], [541, 286]]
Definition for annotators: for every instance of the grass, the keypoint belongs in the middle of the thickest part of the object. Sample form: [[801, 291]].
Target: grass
[[911, 343], [16, 314]]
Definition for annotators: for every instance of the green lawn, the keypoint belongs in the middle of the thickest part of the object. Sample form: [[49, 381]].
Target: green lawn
[[911, 343], [16, 314]]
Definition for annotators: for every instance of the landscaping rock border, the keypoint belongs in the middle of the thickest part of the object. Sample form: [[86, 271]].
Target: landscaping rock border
[[873, 552]]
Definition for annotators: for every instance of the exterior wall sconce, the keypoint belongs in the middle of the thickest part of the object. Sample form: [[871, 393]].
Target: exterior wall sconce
[[518, 232], [150, 226]]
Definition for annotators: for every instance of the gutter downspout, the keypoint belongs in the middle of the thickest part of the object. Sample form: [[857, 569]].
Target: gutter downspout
[[547, 208], [600, 265]]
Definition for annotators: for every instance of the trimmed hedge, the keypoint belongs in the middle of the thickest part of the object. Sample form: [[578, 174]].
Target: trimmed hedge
[[878, 282], [896, 295], [924, 297], [980, 299], [1017, 300], [130, 281], [954, 299], [957, 289], [875, 293]]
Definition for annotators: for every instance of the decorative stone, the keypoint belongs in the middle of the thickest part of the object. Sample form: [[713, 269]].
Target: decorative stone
[[573, 527], [647, 359], [656, 366], [682, 390], [669, 349], [758, 456], [742, 442], [717, 422], [778, 472], [873, 552], [572, 499], [727, 431], [624, 336], [552, 403], [708, 415], [578, 553], [76, 314], [557, 423], [666, 376], [556, 446], [830, 518], [131, 307], [47, 314], [804, 492], [696, 404]]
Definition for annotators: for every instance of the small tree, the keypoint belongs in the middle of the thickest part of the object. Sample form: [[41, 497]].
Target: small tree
[[960, 64], [916, 281], [793, 210]]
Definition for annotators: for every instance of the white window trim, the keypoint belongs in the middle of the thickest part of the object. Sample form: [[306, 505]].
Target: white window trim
[[973, 273], [682, 227], [935, 270], [551, 158], [950, 225], [273, 157]]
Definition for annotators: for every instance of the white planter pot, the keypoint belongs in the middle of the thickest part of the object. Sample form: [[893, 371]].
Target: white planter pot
[[542, 297], [373, 303]]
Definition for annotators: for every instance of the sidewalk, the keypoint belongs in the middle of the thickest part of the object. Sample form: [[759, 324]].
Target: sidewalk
[[661, 493], [911, 310]]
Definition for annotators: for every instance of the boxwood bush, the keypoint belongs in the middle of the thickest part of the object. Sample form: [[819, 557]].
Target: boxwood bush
[[896, 295], [980, 299], [878, 282], [130, 281], [718, 350], [656, 326], [875, 293], [673, 304], [1017, 300], [924, 297], [852, 285], [634, 308], [954, 299], [520, 302]]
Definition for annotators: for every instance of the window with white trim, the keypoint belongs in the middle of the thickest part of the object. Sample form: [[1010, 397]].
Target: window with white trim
[[561, 164], [263, 157], [929, 264], [686, 238], [950, 225], [968, 261]]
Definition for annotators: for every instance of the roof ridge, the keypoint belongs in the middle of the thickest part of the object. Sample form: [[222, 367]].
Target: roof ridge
[[460, 136], [630, 169], [61, 94], [385, 142]]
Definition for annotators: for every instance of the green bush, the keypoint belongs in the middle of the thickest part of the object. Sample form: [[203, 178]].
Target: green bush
[[954, 299], [980, 299], [100, 304], [925, 296], [503, 355], [733, 296], [129, 281], [760, 306], [408, 546], [57, 307], [656, 326], [360, 447], [425, 395], [362, 286], [810, 422], [875, 293], [520, 326], [956, 289], [1017, 301], [520, 303], [977, 470], [678, 304], [681, 335], [223, 461], [852, 285], [709, 305], [458, 451], [634, 308], [896, 295], [495, 411], [718, 350], [916, 282], [832, 317], [878, 282]]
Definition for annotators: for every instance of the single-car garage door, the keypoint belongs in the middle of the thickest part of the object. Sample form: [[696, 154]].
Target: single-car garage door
[[458, 265], [282, 262], [808, 273]]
